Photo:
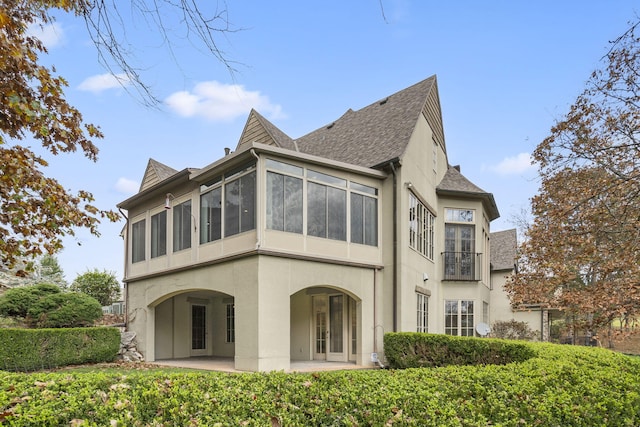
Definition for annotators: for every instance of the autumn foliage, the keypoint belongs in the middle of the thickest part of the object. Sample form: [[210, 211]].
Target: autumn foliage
[[36, 211], [582, 252]]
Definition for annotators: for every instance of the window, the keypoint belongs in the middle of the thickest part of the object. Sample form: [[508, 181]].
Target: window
[[240, 201], [231, 323], [459, 255], [459, 245], [182, 226], [211, 215], [423, 313], [159, 234], [458, 318], [326, 207], [364, 215], [137, 241], [421, 227], [284, 198]]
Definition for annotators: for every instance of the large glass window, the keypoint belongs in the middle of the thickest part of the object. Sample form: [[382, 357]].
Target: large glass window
[[231, 323], [211, 215], [364, 215], [459, 255], [239, 204], [326, 211], [182, 226], [159, 234], [421, 227], [284, 198], [137, 241], [458, 318], [422, 313]]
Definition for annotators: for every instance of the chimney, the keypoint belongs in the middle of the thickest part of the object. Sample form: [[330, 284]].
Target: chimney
[[457, 167], [227, 151]]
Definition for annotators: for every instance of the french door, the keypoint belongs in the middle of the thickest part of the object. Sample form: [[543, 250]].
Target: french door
[[331, 324]]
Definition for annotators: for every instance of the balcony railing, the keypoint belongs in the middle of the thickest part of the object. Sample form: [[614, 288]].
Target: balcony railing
[[462, 266]]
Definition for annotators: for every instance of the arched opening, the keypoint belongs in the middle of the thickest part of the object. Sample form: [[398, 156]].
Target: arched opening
[[194, 323], [325, 325]]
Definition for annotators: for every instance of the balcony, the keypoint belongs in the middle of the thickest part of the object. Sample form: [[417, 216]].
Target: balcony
[[462, 266]]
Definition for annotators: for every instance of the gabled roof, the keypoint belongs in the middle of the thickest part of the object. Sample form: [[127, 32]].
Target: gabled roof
[[456, 185], [260, 130], [155, 173], [503, 249], [379, 132]]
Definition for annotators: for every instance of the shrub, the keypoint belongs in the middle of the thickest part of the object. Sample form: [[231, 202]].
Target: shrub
[[33, 349], [16, 302], [512, 330], [65, 310], [413, 350], [562, 386]]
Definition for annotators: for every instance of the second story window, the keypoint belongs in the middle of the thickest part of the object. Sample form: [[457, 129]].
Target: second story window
[[211, 215], [459, 244], [421, 227], [284, 197], [364, 214], [240, 200], [137, 241], [159, 234], [326, 206], [182, 226]]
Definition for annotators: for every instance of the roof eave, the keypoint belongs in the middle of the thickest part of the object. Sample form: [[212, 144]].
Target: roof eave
[[160, 187], [487, 199]]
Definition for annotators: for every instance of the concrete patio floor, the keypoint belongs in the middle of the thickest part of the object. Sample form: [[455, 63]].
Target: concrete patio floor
[[225, 364]]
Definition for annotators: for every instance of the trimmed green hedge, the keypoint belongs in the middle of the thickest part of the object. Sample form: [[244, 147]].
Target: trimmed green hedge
[[563, 386], [33, 349], [419, 350]]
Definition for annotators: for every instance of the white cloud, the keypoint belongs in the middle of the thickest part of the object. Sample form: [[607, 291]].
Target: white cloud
[[514, 165], [50, 34], [101, 82], [220, 102], [127, 186]]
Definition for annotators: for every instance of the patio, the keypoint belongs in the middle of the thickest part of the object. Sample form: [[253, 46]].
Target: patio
[[225, 364]]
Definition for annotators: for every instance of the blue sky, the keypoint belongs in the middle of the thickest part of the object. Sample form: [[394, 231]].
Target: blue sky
[[506, 71]]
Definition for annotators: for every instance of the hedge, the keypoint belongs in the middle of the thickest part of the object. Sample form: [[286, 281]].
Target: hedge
[[562, 386], [415, 350], [33, 349]]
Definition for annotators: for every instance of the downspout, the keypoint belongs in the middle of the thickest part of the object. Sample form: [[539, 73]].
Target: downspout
[[258, 226], [126, 268], [395, 246]]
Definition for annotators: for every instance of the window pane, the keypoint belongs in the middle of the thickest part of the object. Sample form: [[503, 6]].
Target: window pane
[[137, 241], [337, 214], [293, 204], [363, 188], [232, 208], [319, 176], [357, 218], [248, 202], [284, 167], [159, 234], [182, 226], [370, 221], [316, 210], [211, 215], [275, 201]]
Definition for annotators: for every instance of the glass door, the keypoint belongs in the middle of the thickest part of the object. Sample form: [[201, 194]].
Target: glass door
[[198, 330], [320, 327], [337, 325]]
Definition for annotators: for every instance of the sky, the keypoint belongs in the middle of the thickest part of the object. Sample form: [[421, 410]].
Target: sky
[[506, 70]]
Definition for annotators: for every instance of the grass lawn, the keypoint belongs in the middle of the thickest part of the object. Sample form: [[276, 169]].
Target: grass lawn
[[561, 386]]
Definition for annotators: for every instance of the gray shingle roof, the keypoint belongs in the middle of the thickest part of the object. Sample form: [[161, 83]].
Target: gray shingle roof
[[374, 134], [454, 183], [503, 249]]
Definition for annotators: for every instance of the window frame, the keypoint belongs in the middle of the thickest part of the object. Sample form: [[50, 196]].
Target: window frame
[[421, 227], [158, 240], [138, 241], [457, 323], [422, 313], [230, 323], [182, 226]]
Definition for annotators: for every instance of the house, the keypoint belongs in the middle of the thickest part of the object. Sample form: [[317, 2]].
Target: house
[[503, 265], [311, 248]]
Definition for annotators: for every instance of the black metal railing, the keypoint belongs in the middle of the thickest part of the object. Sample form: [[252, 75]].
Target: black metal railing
[[462, 266]]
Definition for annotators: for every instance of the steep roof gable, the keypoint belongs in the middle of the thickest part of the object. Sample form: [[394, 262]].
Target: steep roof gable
[[503, 249], [258, 129], [155, 173], [379, 132]]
